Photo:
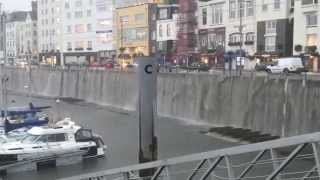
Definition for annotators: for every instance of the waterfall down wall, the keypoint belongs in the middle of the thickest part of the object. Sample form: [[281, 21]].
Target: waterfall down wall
[[278, 106]]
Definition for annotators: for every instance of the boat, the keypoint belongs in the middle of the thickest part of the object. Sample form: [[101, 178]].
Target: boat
[[11, 125], [53, 141], [19, 117], [24, 111]]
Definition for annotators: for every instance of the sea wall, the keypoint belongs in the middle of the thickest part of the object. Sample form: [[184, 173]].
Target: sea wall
[[279, 106]]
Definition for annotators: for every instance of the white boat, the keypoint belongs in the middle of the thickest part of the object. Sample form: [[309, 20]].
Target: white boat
[[63, 138]]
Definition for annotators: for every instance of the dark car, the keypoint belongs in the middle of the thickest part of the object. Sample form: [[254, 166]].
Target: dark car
[[260, 67]]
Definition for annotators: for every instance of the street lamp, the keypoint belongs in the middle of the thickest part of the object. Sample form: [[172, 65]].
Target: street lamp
[[241, 14]]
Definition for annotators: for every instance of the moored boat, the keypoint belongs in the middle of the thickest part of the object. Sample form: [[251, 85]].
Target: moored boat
[[62, 138]]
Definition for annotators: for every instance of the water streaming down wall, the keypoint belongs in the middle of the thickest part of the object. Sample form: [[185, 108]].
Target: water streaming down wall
[[277, 106]]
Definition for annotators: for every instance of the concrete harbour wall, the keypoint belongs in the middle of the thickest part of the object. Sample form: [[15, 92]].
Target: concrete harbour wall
[[278, 106]]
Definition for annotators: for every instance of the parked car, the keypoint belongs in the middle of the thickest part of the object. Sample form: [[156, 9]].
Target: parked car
[[287, 65], [260, 67]]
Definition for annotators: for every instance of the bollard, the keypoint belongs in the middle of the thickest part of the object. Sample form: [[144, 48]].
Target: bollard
[[147, 78]]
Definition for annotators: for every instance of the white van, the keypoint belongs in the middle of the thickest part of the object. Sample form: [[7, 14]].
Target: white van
[[286, 65]]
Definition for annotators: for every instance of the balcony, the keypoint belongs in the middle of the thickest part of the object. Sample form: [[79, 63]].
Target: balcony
[[249, 42], [78, 49], [234, 43]]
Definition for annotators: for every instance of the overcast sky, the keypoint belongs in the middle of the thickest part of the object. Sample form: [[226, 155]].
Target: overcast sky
[[12, 5]]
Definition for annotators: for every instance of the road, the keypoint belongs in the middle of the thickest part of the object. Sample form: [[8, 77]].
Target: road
[[120, 132]]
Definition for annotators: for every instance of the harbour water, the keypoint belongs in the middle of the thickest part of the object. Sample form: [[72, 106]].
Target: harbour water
[[119, 130]]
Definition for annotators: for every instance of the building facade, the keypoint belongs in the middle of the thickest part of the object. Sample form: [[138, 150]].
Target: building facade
[[212, 21], [306, 38], [27, 46], [187, 48], [15, 36], [3, 19], [104, 31], [275, 28], [79, 32], [75, 32], [167, 16], [248, 28], [136, 31], [306, 29], [50, 35]]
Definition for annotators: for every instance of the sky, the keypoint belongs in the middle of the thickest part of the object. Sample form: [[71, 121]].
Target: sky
[[12, 5]]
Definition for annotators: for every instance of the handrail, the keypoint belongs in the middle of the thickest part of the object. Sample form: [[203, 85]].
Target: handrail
[[243, 149]]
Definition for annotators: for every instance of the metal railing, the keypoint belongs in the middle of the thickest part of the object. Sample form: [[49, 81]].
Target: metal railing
[[289, 158], [41, 158]]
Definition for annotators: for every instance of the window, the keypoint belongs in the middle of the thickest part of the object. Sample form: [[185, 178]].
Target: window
[[89, 27], [163, 13], [264, 5], [276, 4], [235, 38], [89, 44], [217, 14], [78, 14], [232, 13], [271, 27], [56, 138], [250, 37], [249, 10], [124, 19], [78, 3], [312, 19], [241, 8], [69, 30], [88, 13], [79, 45], [309, 2], [139, 17], [204, 16], [69, 45], [67, 5], [141, 34], [311, 40], [160, 30], [69, 15], [270, 43], [79, 28], [168, 30]]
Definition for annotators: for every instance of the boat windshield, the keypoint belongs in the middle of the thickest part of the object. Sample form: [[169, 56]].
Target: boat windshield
[[29, 138]]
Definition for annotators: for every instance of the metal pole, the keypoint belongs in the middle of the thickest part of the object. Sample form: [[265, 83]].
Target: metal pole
[[147, 77], [241, 6]]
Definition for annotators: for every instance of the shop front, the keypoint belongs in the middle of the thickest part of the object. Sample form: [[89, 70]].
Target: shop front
[[50, 58], [80, 58]]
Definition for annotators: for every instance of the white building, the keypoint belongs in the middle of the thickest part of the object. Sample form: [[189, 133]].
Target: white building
[[256, 27], [306, 25], [21, 36], [27, 39], [74, 30], [50, 30], [11, 41], [306, 38]]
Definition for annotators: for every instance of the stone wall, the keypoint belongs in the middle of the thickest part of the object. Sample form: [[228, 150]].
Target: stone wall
[[278, 106]]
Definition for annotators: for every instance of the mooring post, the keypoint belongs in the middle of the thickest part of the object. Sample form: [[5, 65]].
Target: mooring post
[[147, 102]]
